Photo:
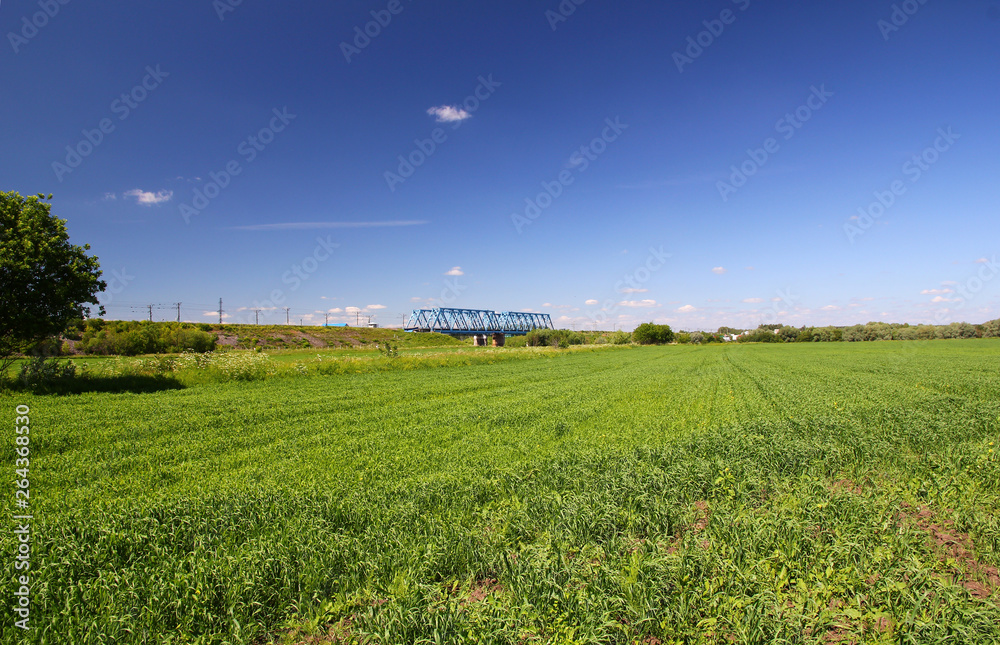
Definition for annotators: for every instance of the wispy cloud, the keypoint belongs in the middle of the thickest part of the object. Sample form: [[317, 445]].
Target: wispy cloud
[[638, 303], [144, 198], [719, 270], [686, 309], [631, 290], [110, 197], [590, 302], [753, 301], [448, 113], [935, 292], [454, 271], [302, 226], [374, 307]]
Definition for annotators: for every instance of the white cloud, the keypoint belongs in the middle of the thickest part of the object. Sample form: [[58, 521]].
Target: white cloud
[[982, 261], [448, 113], [335, 310], [718, 270], [943, 299], [750, 269], [830, 308], [144, 198], [416, 299], [375, 307], [686, 309], [753, 301], [935, 292], [631, 290], [638, 303], [352, 310], [110, 197], [590, 302], [454, 271]]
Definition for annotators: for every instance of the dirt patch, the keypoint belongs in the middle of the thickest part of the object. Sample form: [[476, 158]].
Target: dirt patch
[[480, 590], [229, 341], [846, 485], [702, 516], [956, 550], [313, 341]]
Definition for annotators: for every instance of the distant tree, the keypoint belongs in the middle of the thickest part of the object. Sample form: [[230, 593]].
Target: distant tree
[[788, 334], [652, 334], [45, 282], [697, 338], [991, 328]]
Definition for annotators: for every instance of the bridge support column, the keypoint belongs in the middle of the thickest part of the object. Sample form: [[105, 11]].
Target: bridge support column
[[499, 340], [479, 340]]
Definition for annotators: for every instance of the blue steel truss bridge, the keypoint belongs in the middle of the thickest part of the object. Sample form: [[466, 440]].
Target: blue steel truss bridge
[[478, 323]]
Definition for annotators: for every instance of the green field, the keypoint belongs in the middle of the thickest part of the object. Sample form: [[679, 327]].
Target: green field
[[800, 493]]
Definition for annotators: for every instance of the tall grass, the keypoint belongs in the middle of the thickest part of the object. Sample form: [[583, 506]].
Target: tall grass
[[748, 494]]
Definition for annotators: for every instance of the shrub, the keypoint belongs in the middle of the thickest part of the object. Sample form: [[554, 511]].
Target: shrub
[[621, 338], [651, 334]]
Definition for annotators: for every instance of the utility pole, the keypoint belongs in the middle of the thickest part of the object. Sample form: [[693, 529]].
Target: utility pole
[[256, 316], [178, 305], [220, 311], [286, 314], [150, 312], [326, 315]]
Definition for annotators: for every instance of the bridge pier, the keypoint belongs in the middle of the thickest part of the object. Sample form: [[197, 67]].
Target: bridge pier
[[499, 339], [479, 340]]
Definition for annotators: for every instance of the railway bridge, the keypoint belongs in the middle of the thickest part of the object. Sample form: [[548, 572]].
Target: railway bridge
[[478, 323]]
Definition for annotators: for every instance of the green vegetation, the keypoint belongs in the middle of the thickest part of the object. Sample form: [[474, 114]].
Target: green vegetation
[[793, 493], [869, 332], [651, 334], [46, 282]]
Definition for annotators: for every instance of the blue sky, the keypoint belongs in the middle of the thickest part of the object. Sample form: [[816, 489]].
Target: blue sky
[[699, 164]]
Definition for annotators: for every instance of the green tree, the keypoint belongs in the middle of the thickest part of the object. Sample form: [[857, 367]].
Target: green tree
[[45, 282], [650, 334]]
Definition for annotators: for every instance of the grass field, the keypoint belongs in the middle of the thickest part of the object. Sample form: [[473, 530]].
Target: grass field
[[800, 493]]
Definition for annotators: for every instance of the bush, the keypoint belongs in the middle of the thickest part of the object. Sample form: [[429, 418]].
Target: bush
[[651, 334], [40, 372], [621, 338]]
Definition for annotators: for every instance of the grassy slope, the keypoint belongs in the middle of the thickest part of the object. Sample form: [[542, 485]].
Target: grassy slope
[[679, 493]]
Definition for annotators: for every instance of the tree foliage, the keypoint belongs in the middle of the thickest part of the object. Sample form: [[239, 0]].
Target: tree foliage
[[45, 281], [652, 334]]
